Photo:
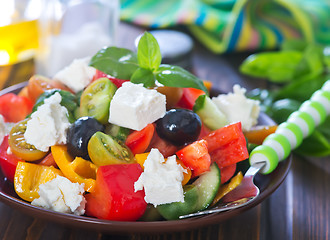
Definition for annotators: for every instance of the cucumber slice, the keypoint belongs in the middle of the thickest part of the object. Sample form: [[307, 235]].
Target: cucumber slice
[[118, 132], [197, 196], [207, 186], [210, 114]]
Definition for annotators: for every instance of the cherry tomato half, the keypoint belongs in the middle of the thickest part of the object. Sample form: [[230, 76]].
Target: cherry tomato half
[[38, 84], [20, 147], [14, 108]]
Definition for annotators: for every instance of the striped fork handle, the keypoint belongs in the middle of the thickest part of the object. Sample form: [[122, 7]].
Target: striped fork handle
[[290, 134]]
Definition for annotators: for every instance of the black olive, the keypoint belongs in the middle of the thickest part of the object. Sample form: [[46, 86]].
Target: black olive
[[179, 126], [79, 134]]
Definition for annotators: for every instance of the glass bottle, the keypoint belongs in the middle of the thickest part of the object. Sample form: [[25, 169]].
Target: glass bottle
[[71, 29]]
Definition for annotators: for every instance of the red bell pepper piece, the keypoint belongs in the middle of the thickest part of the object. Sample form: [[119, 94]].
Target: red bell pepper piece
[[114, 197], [8, 162], [195, 156]]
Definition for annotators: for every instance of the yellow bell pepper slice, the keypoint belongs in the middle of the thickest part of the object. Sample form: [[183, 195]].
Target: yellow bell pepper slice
[[141, 158], [29, 176], [76, 170], [258, 134], [224, 189]]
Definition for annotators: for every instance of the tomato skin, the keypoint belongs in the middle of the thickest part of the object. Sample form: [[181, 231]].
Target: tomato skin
[[223, 136], [114, 197], [14, 108], [231, 153], [138, 141], [227, 172], [19, 146], [48, 161], [189, 97], [196, 157], [38, 84], [227, 145], [165, 148], [8, 162], [204, 132], [116, 81]]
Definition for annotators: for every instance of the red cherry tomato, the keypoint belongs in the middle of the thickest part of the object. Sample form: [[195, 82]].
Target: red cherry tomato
[[138, 141], [116, 81], [8, 162], [196, 157], [14, 108], [39, 84], [114, 197]]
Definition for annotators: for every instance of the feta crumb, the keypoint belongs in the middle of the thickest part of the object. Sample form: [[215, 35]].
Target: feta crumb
[[134, 106], [77, 75], [5, 128], [237, 107], [162, 181], [61, 195], [48, 125]]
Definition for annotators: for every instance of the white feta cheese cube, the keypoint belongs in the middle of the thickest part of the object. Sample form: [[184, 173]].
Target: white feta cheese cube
[[134, 106], [237, 107], [5, 128], [48, 125], [161, 181], [61, 195], [77, 75]]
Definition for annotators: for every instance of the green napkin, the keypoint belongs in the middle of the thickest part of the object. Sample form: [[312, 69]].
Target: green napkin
[[229, 25]]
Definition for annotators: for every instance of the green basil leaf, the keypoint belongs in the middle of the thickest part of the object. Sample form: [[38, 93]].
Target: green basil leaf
[[326, 57], [294, 44], [145, 76], [175, 76], [118, 62], [324, 128], [278, 67], [302, 89], [281, 109], [316, 145], [148, 52], [311, 65]]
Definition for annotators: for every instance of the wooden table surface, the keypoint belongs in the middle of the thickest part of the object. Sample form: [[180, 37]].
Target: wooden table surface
[[298, 209]]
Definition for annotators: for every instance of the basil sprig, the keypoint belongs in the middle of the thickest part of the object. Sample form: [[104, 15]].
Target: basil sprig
[[301, 68], [144, 66]]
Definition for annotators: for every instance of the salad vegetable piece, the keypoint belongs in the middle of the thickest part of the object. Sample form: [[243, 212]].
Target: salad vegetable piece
[[120, 160]]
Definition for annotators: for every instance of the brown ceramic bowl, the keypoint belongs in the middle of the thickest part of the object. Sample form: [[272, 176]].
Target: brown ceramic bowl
[[266, 183]]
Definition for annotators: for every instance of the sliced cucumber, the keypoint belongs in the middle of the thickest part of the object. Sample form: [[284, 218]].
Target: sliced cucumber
[[197, 196], [118, 132], [210, 114], [207, 185]]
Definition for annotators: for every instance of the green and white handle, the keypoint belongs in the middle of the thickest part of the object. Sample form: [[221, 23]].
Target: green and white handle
[[290, 134]]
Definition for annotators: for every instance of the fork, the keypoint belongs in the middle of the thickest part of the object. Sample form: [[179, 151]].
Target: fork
[[239, 197], [276, 147]]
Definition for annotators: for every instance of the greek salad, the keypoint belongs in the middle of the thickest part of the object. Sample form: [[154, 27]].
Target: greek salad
[[120, 136]]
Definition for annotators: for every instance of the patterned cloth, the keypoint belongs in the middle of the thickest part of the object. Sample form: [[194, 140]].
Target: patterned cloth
[[229, 25]]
